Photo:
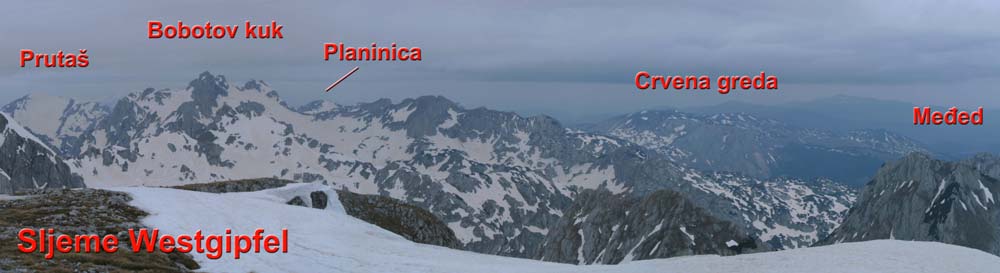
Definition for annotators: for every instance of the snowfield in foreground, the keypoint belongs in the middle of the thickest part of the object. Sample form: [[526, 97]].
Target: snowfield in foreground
[[331, 241]]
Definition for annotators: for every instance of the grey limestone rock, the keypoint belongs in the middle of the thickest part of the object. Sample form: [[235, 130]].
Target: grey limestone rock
[[606, 228], [27, 164], [923, 199]]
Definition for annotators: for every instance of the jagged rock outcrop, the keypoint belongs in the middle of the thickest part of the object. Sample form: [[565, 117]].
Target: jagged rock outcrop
[[923, 199], [26, 164], [242, 185], [296, 201], [319, 199], [606, 228], [411, 222]]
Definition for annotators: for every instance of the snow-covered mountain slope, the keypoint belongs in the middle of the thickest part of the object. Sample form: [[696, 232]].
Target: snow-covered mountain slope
[[58, 121], [760, 147], [783, 212], [27, 164], [330, 241], [924, 199], [499, 180]]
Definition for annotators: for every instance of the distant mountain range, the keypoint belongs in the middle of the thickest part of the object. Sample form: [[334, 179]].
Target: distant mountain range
[[761, 147], [844, 113], [500, 181]]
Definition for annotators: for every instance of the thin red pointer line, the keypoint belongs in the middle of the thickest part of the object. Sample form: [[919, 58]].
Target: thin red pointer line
[[341, 79]]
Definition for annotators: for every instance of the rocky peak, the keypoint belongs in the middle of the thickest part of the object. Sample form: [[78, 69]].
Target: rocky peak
[[26, 164], [209, 83], [925, 199], [424, 114], [205, 91], [255, 85]]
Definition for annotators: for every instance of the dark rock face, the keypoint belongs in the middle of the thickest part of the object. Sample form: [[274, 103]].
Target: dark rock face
[[296, 201], [606, 228], [411, 222], [80, 212], [315, 107], [923, 199], [27, 164], [243, 185], [319, 199]]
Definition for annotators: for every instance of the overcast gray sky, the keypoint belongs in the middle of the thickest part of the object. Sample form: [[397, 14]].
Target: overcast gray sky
[[557, 57]]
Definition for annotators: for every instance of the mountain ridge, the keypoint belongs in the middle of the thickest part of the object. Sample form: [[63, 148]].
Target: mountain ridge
[[925, 199], [498, 179], [866, 113], [761, 147]]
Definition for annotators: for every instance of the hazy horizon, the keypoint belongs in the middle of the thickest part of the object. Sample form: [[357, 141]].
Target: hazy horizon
[[573, 58], [569, 115]]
